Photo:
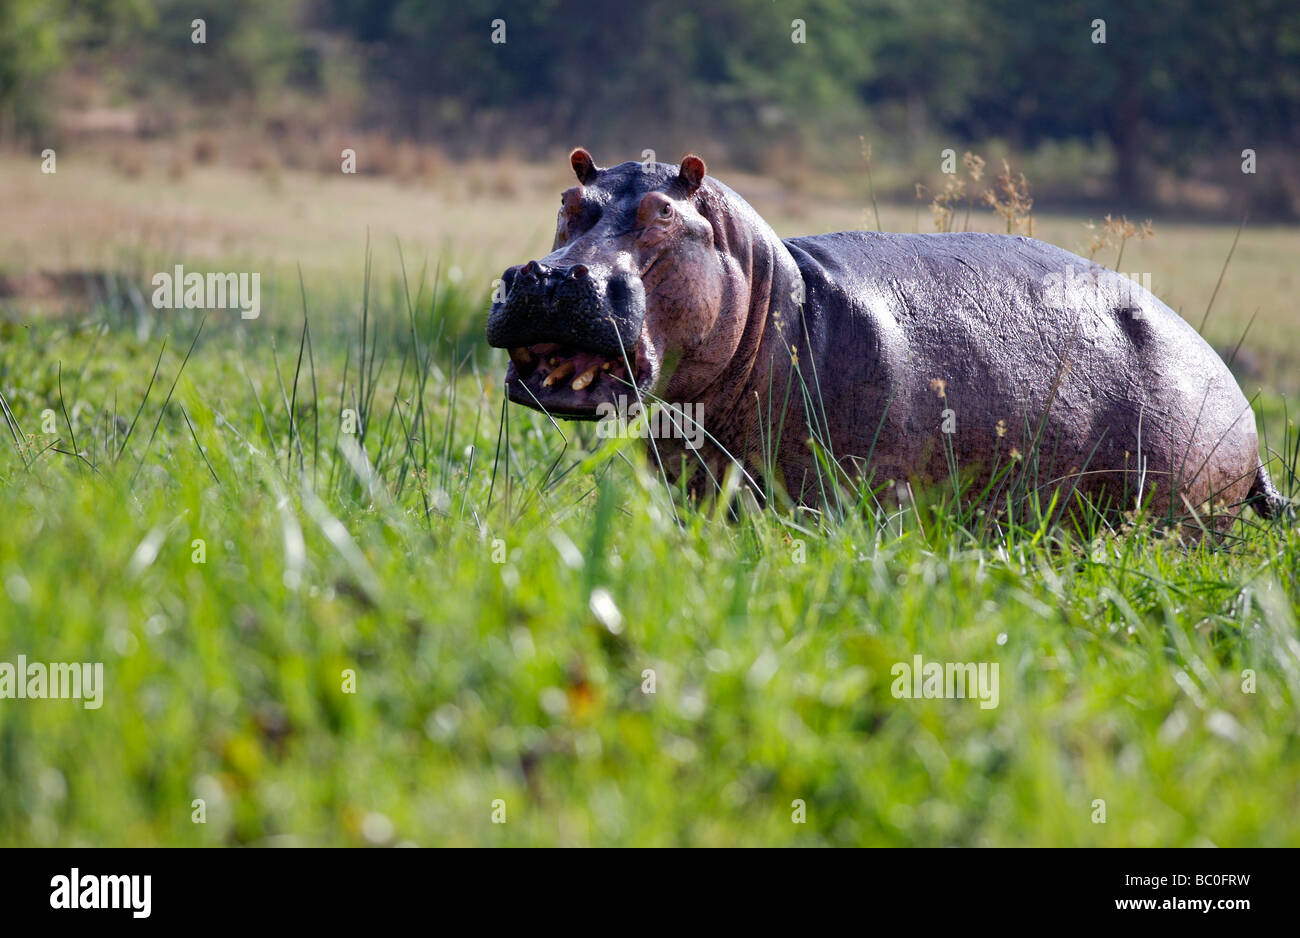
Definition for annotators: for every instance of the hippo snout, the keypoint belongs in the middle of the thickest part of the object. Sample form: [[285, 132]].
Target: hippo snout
[[589, 308]]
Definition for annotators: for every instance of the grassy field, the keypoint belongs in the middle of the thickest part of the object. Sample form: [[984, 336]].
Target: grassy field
[[395, 635]]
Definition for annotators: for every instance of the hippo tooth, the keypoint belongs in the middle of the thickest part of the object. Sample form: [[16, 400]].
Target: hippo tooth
[[521, 356], [562, 371], [585, 378]]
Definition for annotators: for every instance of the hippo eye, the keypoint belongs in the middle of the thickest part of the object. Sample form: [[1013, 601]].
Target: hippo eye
[[667, 210]]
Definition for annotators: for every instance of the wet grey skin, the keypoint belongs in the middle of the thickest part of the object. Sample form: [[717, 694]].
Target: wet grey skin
[[904, 355]]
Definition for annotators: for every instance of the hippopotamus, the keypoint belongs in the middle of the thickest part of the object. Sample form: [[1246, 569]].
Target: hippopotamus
[[865, 357]]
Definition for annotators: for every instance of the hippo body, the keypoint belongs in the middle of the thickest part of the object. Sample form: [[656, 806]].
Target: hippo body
[[906, 357], [981, 326]]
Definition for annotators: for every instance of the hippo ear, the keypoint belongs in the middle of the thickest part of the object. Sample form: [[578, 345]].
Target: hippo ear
[[692, 173], [584, 167]]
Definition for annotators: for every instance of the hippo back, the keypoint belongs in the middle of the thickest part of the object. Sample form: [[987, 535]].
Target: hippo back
[[1005, 342]]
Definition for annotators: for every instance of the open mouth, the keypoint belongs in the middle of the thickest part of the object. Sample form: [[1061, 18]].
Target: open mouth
[[572, 382]]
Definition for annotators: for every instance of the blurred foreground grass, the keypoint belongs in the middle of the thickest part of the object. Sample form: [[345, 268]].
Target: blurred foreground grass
[[501, 616]]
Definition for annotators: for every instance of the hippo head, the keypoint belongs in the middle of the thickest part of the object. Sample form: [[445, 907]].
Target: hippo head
[[630, 299]]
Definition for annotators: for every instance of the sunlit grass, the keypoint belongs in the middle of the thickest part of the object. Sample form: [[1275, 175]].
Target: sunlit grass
[[450, 562]]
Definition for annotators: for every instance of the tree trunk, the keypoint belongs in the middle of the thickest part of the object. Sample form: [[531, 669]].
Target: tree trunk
[[1126, 135]]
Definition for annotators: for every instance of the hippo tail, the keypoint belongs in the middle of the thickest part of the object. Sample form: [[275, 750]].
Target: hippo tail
[[1267, 501]]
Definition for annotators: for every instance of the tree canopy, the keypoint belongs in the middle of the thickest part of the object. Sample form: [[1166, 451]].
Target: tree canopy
[[1162, 82]]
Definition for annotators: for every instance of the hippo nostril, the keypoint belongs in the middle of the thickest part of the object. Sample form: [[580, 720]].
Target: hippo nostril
[[578, 271], [532, 269], [620, 293]]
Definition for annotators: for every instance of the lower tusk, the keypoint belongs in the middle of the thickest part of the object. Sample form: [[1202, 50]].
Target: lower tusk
[[585, 378], [562, 371]]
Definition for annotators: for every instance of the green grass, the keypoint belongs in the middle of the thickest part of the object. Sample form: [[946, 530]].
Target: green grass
[[771, 636]]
